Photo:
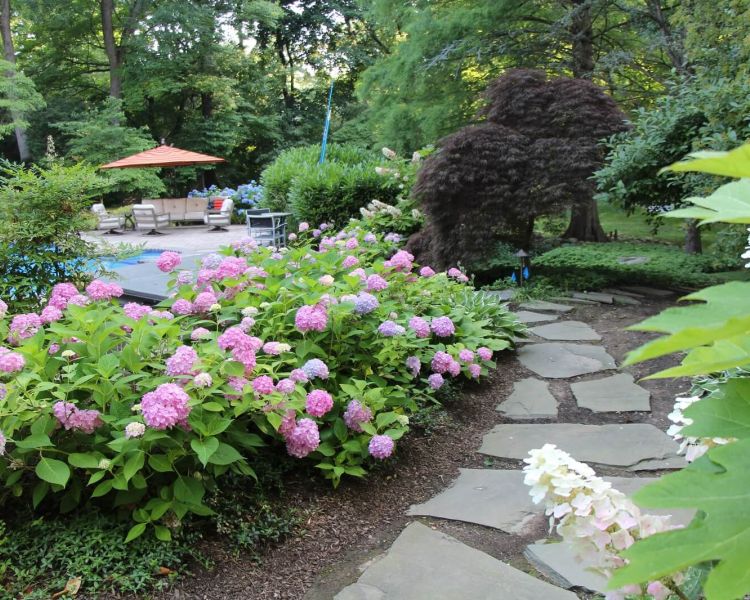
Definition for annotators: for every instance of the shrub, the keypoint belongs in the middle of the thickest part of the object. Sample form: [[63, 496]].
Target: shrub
[[534, 156], [134, 407], [594, 266], [42, 209], [331, 192]]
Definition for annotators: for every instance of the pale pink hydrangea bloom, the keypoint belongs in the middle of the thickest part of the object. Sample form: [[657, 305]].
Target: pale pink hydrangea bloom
[[484, 353], [79, 300], [264, 385], [288, 423], [275, 348], [466, 355], [457, 275], [203, 380], [246, 324], [376, 283], [200, 333], [326, 280], [318, 403], [356, 414], [182, 361], [299, 376], [3, 309], [351, 243], [441, 361], [231, 266], [303, 439], [311, 318], [11, 362], [24, 326], [401, 261], [182, 307], [100, 290], [304, 226], [3, 442], [160, 314], [420, 327], [414, 365], [184, 277], [50, 314], [475, 370], [443, 327], [350, 261], [380, 447], [61, 293], [426, 272], [136, 311], [204, 301], [165, 407], [167, 261], [436, 381], [71, 417], [360, 272], [286, 386], [454, 368]]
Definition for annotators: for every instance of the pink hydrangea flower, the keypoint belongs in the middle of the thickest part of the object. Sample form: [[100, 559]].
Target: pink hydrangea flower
[[24, 326], [457, 275], [315, 368], [376, 283], [200, 333], [246, 324], [275, 348], [61, 293], [99, 290], [165, 407], [420, 327], [286, 386], [380, 446], [231, 266], [167, 261], [288, 423], [370, 238], [53, 349], [311, 318], [264, 385], [475, 370], [466, 355], [441, 362], [390, 329], [443, 327], [184, 277], [182, 361], [3, 441], [136, 311], [134, 430], [454, 368], [304, 226], [233, 337], [356, 414], [50, 314], [71, 417], [365, 303], [79, 300], [350, 261], [204, 301], [326, 280], [3, 309], [436, 381], [182, 307], [401, 261], [299, 376], [360, 272], [160, 314], [426, 272], [414, 365], [237, 383], [203, 380], [303, 439], [318, 403], [484, 353]]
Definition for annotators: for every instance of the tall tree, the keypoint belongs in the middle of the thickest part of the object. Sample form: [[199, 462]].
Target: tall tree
[[9, 54], [134, 12]]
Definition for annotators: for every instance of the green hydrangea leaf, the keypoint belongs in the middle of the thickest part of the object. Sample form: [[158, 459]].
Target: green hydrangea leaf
[[53, 471], [724, 413], [734, 163], [721, 492]]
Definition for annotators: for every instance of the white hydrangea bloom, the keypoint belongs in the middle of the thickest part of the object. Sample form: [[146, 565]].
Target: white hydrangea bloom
[[692, 447]]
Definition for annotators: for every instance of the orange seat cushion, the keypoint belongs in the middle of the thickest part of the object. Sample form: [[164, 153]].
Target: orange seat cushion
[[217, 202]]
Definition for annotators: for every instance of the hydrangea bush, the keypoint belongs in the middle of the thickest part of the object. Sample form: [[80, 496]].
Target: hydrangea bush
[[322, 350]]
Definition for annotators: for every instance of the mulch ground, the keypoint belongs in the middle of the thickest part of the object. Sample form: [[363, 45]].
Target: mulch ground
[[344, 528]]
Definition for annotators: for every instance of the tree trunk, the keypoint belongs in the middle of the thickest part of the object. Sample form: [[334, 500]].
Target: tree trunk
[[582, 38], [584, 224], [10, 55], [693, 244], [114, 55]]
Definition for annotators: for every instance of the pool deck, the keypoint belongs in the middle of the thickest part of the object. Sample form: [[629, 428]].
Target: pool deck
[[144, 282]]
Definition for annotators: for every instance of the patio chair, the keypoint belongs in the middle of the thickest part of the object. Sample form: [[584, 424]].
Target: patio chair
[[267, 230], [106, 221], [221, 219], [146, 217]]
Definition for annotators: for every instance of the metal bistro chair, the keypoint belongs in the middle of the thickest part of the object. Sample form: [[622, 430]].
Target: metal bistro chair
[[267, 230]]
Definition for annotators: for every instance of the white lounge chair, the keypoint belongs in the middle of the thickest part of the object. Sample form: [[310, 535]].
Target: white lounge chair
[[106, 221], [146, 217], [222, 218], [267, 230]]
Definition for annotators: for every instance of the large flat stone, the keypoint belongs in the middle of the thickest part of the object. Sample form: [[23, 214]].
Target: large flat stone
[[500, 499], [572, 331], [648, 291], [594, 296], [527, 316], [548, 306], [626, 300], [530, 399], [574, 300], [634, 446], [558, 563], [425, 564], [557, 360], [618, 393]]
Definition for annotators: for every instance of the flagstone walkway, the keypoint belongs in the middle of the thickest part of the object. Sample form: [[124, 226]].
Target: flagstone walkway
[[425, 563]]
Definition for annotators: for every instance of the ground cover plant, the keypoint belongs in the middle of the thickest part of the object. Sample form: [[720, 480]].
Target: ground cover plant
[[321, 351]]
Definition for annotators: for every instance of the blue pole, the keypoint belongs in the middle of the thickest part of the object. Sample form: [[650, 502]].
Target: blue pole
[[326, 127]]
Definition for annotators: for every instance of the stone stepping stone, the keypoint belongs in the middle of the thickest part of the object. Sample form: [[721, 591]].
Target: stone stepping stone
[[618, 393], [557, 360], [500, 499], [626, 300], [530, 399], [573, 331], [648, 291], [634, 446], [618, 292], [595, 296], [543, 305], [423, 563], [527, 316], [574, 300]]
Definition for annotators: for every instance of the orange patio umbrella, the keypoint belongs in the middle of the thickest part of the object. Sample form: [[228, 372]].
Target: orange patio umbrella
[[163, 156]]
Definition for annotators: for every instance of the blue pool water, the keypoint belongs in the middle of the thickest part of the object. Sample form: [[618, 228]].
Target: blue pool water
[[146, 256]]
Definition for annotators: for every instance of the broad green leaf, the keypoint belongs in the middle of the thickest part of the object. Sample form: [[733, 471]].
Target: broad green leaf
[[188, 490], [135, 531], [103, 488], [83, 461], [160, 463], [204, 448], [720, 490], [134, 464], [53, 471], [225, 455], [730, 203], [724, 413], [35, 440], [162, 533], [40, 491], [735, 163]]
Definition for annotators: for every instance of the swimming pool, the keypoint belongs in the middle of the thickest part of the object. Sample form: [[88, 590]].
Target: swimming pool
[[145, 256]]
